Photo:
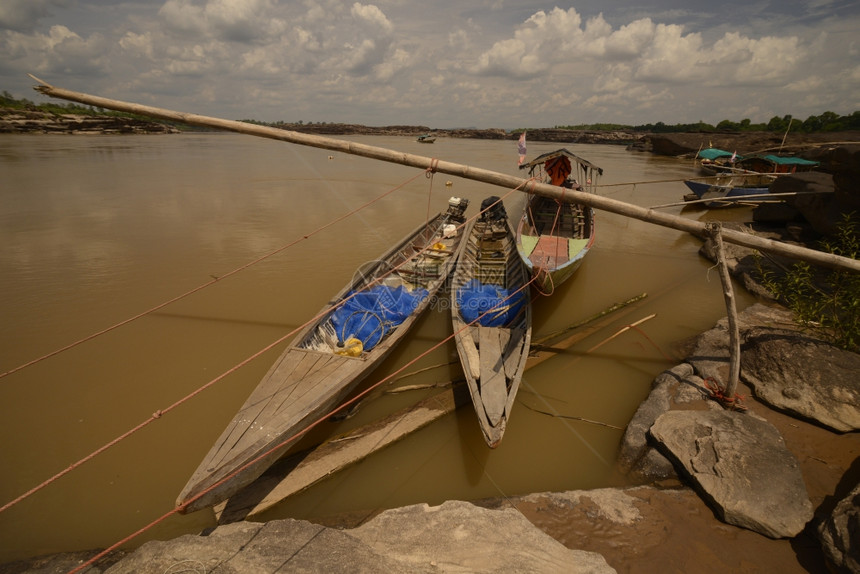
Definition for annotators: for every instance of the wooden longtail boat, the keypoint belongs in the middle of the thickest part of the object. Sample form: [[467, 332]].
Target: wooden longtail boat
[[554, 237], [736, 186], [492, 317], [359, 327]]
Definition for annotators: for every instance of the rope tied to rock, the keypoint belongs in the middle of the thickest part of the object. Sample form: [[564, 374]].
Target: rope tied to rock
[[716, 392]]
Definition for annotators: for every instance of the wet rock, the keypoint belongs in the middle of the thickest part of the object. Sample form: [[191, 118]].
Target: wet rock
[[839, 534], [461, 537], [740, 466], [709, 354], [816, 201], [452, 537], [804, 376], [635, 457], [685, 387]]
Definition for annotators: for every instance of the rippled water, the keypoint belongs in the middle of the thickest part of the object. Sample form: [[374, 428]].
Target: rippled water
[[95, 230]]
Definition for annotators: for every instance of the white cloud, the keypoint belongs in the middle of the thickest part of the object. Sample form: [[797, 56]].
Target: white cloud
[[451, 64], [24, 15], [225, 20]]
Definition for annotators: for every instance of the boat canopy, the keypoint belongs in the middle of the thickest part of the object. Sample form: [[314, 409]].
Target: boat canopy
[[559, 153], [780, 160], [557, 165], [713, 153]]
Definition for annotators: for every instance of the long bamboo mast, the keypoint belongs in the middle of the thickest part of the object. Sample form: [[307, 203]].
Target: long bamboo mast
[[468, 172]]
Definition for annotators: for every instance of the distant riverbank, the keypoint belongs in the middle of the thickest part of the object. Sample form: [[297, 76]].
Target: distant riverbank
[[20, 121], [23, 121]]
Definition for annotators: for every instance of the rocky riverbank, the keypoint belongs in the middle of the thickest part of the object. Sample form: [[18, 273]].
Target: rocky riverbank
[[775, 487], [15, 121], [766, 489]]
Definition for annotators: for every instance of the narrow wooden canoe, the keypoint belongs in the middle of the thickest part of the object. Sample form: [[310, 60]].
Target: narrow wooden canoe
[[329, 358], [729, 187], [491, 313], [554, 237]]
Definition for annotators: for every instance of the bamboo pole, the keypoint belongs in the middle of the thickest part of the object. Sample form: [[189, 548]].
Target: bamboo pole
[[468, 172], [741, 198], [715, 231]]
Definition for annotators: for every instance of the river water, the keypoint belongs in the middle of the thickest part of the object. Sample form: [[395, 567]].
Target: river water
[[95, 230]]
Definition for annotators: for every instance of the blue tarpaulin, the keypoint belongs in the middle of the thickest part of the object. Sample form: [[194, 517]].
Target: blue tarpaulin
[[495, 305], [370, 314]]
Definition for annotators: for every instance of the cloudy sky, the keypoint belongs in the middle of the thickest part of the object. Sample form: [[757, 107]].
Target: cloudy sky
[[445, 63]]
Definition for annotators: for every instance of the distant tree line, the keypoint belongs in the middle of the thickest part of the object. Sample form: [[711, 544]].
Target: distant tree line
[[826, 122]]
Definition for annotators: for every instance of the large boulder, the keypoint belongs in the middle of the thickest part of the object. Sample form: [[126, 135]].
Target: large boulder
[[839, 534], [804, 376], [636, 458], [740, 466], [453, 537], [816, 199], [460, 537]]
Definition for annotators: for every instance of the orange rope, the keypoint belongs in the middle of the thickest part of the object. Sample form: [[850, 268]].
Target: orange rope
[[434, 163], [717, 393], [207, 284], [223, 375], [298, 435], [157, 414]]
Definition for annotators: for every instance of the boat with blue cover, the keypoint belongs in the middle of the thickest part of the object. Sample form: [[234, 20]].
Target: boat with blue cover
[[345, 341], [492, 317], [730, 190]]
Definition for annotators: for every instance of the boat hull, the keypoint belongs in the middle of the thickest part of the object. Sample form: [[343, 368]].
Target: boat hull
[[314, 374], [553, 239], [493, 357], [716, 192]]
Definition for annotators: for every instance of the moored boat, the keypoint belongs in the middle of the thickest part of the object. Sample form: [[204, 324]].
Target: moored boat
[[426, 138], [727, 192], [358, 328], [714, 160], [553, 237], [491, 314], [775, 164]]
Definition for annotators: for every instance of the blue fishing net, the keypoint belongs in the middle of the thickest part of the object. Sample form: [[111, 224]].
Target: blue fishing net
[[370, 314], [495, 305]]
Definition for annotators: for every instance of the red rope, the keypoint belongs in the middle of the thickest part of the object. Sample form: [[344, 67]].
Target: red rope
[[428, 173], [158, 414], [717, 393], [298, 435], [207, 284]]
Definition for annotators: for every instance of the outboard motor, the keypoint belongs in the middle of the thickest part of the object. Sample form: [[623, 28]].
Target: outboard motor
[[492, 209]]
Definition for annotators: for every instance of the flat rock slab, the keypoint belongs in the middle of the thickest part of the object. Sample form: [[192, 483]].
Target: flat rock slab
[[740, 466], [461, 537], [804, 376], [454, 537]]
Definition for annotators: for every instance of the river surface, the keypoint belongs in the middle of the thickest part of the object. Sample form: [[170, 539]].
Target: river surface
[[95, 230]]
